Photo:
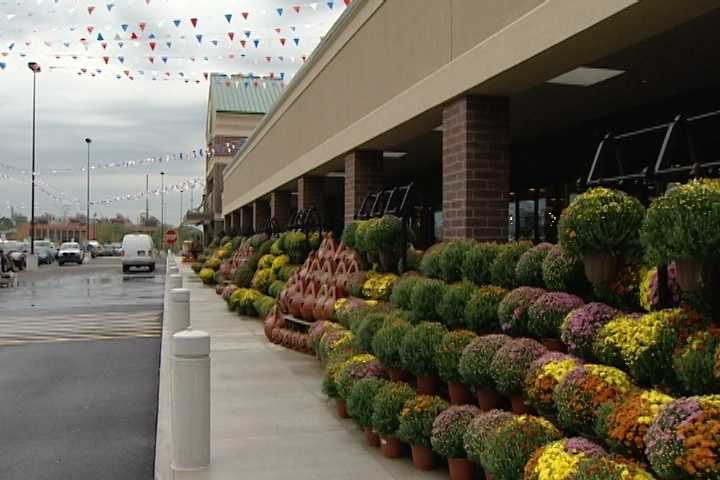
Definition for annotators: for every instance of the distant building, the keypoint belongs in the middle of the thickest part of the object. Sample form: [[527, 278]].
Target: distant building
[[235, 107], [55, 232]]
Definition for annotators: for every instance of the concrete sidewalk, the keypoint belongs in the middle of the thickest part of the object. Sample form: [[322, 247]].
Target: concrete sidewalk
[[269, 419]]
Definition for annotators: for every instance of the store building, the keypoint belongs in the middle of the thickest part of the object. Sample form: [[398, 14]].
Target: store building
[[492, 109], [235, 107]]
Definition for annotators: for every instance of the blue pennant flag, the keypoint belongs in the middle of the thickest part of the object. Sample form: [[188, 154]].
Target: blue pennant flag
[[256, 42], [279, 11], [3, 65], [164, 59], [100, 37], [330, 5], [199, 38], [177, 22], [110, 6], [124, 26], [247, 33], [121, 59], [228, 17], [297, 41]]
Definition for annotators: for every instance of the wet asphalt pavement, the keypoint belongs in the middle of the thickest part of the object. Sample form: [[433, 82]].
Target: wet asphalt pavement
[[79, 350]]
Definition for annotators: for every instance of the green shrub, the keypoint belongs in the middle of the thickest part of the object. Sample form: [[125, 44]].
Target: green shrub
[[315, 240], [564, 272], [263, 278], [694, 363], [207, 275], [417, 417], [387, 342], [354, 369], [275, 249], [263, 304], [684, 224], [417, 352], [366, 330], [402, 292], [476, 358], [448, 353], [512, 310], [451, 306], [502, 269], [430, 263], [477, 261], [361, 399], [196, 267], [452, 258], [243, 276], [602, 220], [266, 261], [334, 364], [424, 298], [286, 272], [479, 429], [509, 447], [276, 288], [413, 258], [481, 310], [387, 405], [528, 270], [243, 301], [361, 233]]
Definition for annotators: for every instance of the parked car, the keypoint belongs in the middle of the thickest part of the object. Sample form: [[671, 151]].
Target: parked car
[[44, 252], [105, 251], [116, 249], [16, 252], [138, 250], [93, 248], [70, 252]]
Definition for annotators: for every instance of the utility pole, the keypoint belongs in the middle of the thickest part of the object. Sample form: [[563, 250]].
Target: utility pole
[[181, 209], [162, 211], [147, 199], [35, 69], [88, 141]]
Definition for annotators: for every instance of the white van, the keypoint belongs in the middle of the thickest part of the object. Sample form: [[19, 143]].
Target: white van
[[138, 251]]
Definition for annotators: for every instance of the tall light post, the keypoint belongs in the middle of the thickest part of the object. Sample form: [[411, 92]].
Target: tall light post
[[88, 141], [162, 211], [35, 69], [181, 209]]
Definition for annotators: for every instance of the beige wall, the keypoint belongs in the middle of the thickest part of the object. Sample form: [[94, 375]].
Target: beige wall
[[389, 61]]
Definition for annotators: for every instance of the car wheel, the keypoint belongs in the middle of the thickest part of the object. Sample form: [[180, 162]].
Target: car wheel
[[151, 268], [125, 269]]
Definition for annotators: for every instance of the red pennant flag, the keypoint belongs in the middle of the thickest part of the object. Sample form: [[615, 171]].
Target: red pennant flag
[[348, 2], [278, 29], [231, 35], [84, 70], [90, 29], [91, 9], [142, 26], [227, 83], [126, 72], [297, 9], [133, 36], [282, 41], [152, 59], [269, 59], [194, 22], [104, 45], [152, 45], [205, 74], [245, 15], [106, 59], [243, 42]]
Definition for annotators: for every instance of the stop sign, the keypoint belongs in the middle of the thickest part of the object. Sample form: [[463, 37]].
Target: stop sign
[[170, 236]]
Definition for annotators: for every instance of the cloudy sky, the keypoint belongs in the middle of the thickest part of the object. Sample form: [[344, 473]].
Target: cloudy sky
[[130, 120]]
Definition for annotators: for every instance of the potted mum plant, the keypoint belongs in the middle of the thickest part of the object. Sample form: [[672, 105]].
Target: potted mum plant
[[544, 375], [602, 226], [481, 310], [424, 298], [387, 405], [622, 424], [684, 226], [695, 365], [355, 368], [448, 432], [474, 368], [559, 460], [386, 345], [580, 326], [610, 467], [360, 406], [384, 237], [513, 309], [477, 261], [510, 365], [478, 431], [417, 354], [502, 269], [564, 272], [528, 270], [415, 428], [452, 258], [451, 307], [509, 447], [583, 391], [447, 361], [546, 315], [682, 441]]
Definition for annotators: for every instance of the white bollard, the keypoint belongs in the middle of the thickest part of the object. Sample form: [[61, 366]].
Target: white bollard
[[191, 400], [173, 270], [178, 312], [173, 281]]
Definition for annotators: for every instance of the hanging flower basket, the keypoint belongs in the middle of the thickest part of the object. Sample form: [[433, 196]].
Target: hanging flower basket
[[600, 268]]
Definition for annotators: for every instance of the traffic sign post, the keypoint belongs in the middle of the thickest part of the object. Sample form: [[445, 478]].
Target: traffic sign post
[[171, 237]]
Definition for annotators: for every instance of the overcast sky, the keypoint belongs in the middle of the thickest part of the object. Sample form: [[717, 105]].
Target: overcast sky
[[129, 119]]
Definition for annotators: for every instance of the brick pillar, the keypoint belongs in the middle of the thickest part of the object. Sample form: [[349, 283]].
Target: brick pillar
[[311, 192], [280, 207], [476, 168], [363, 175], [246, 219], [261, 213]]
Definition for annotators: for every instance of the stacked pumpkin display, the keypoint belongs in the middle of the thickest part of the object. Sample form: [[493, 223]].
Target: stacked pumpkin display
[[311, 292]]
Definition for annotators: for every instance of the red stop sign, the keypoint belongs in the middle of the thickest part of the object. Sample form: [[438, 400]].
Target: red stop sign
[[170, 237]]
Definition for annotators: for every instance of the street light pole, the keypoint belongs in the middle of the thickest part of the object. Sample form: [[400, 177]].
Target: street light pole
[[162, 211], [35, 69], [147, 199], [88, 141], [181, 209]]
